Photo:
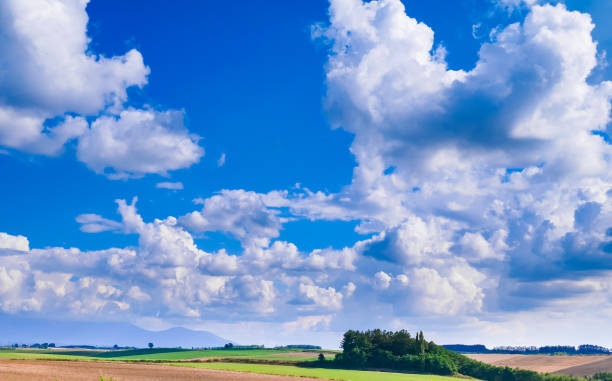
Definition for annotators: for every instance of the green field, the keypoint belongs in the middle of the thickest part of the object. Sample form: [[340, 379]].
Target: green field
[[186, 355], [156, 354], [272, 357], [329, 374]]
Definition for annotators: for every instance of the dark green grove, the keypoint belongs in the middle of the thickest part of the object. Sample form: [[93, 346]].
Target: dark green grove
[[400, 351]]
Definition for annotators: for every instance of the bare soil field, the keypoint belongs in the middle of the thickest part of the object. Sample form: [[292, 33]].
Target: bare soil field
[[41, 370], [589, 369], [572, 365]]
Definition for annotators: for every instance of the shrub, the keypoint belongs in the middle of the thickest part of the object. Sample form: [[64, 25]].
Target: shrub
[[602, 377]]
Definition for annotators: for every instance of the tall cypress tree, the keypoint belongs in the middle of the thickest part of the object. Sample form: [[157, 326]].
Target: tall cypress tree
[[421, 343]]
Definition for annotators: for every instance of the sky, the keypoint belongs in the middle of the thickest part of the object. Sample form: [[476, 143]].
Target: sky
[[280, 172]]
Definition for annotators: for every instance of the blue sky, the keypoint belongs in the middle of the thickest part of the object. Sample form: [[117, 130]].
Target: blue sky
[[294, 162]]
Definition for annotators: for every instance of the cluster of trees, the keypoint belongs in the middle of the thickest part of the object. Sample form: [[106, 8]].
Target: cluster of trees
[[233, 346], [552, 349], [393, 350], [300, 346], [462, 348], [588, 349], [516, 350], [400, 351], [43, 345]]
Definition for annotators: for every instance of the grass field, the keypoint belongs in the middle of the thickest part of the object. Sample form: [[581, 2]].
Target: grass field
[[271, 357], [188, 354], [328, 374], [160, 354]]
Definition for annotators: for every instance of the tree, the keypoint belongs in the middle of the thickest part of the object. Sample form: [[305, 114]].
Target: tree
[[401, 343], [321, 357], [355, 357], [150, 345], [229, 345], [355, 340], [421, 342]]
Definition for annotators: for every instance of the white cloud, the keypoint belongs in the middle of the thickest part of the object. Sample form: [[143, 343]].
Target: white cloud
[[25, 131], [513, 4], [93, 223], [11, 283], [167, 274], [240, 213], [137, 294], [45, 44], [170, 185], [47, 72], [449, 294], [403, 279], [308, 323], [415, 241], [18, 242], [327, 298], [475, 247], [51, 81], [377, 70], [349, 289], [332, 259], [382, 280], [259, 294], [139, 142], [221, 161]]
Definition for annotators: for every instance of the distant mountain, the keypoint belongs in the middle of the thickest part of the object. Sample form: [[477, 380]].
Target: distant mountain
[[16, 330]]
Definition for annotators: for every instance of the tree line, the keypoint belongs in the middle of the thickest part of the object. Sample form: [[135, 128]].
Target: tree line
[[585, 349]]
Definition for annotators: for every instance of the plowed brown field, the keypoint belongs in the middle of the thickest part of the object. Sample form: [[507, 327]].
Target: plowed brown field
[[572, 365], [40, 370], [589, 369]]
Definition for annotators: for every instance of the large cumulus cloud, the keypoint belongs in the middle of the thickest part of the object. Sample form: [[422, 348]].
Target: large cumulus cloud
[[494, 180]]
